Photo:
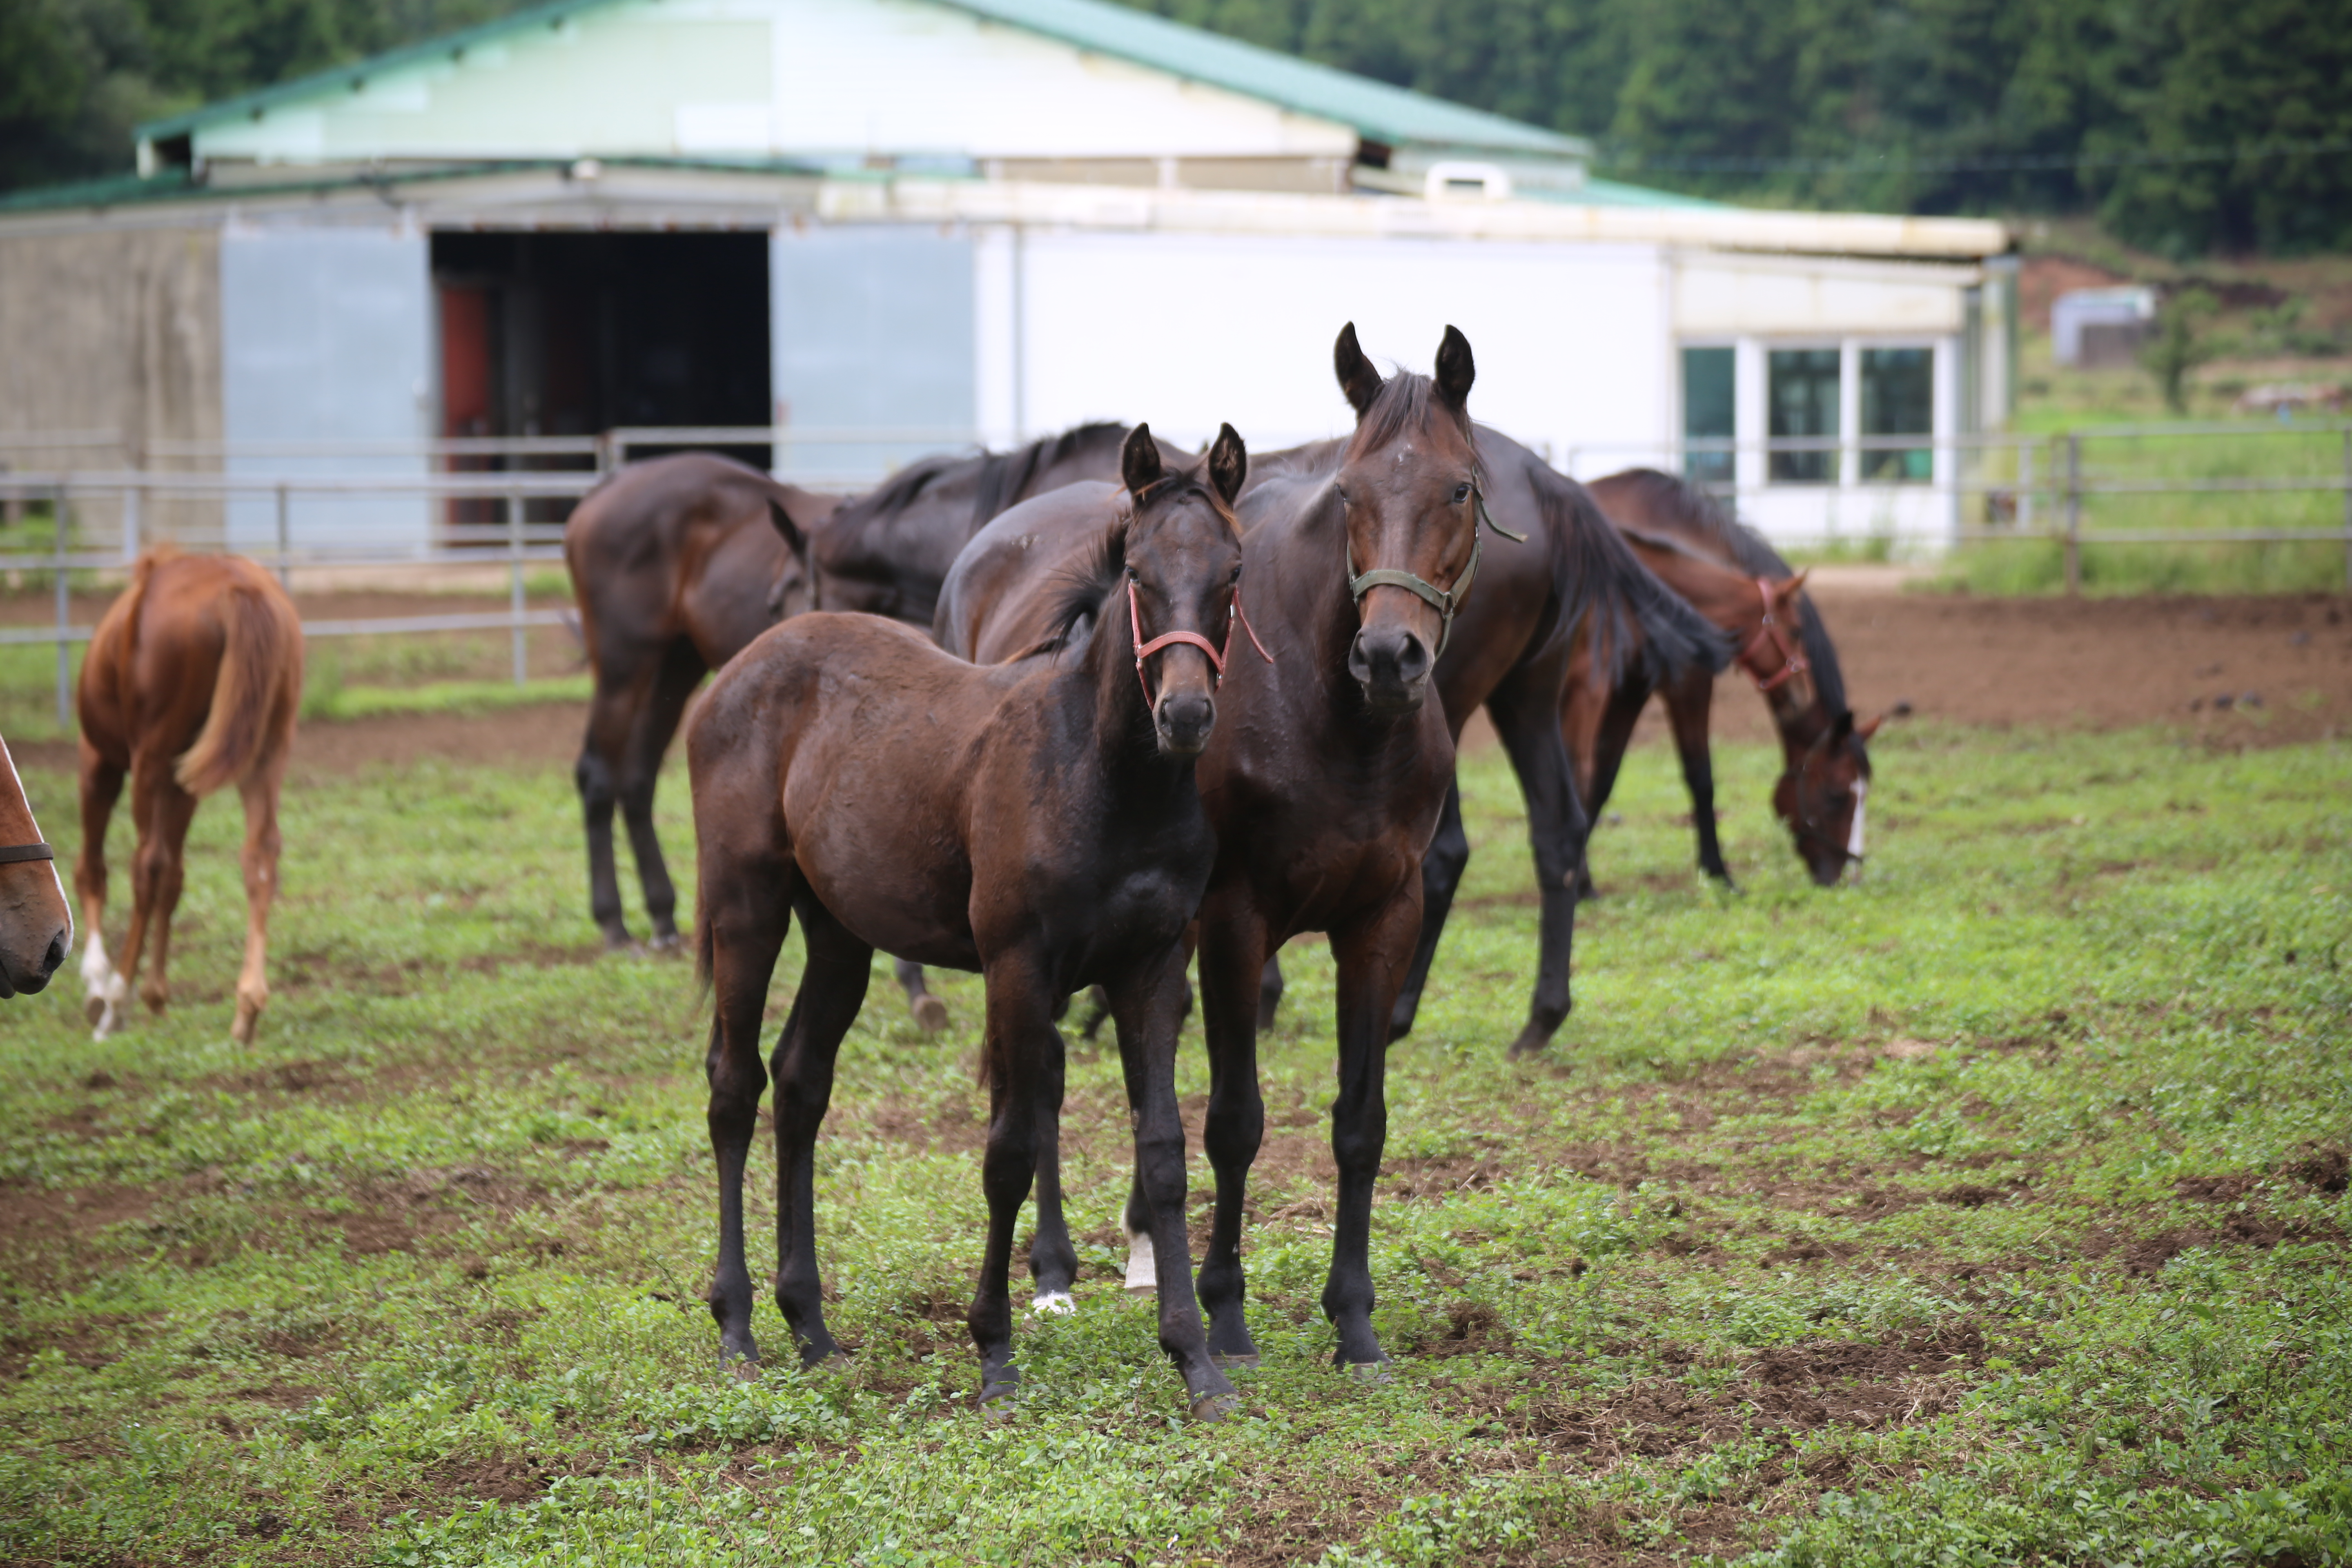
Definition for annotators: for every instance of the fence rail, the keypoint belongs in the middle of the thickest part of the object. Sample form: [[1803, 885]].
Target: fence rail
[[2023, 487]]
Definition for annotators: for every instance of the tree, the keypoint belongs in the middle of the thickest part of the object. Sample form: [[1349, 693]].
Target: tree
[[2178, 344]]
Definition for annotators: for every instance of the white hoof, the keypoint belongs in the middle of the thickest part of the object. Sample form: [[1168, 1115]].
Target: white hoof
[[1142, 1267], [1053, 1304]]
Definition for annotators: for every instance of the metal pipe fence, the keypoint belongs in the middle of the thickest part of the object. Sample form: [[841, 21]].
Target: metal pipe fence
[[1974, 489]]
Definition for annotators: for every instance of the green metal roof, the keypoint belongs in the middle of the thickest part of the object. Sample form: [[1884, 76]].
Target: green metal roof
[[1374, 109], [176, 184]]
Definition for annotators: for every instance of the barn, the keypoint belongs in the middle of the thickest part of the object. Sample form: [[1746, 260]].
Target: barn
[[875, 228]]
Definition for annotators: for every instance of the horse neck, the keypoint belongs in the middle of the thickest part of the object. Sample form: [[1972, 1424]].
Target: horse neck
[[1802, 724]]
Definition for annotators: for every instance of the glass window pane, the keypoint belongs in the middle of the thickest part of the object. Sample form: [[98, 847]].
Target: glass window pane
[[1802, 388], [1899, 398], [1707, 410]]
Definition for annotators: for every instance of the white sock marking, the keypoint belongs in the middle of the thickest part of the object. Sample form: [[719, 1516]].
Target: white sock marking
[[1142, 1267]]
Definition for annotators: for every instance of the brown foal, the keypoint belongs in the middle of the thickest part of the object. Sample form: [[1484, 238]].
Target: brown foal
[[192, 682]]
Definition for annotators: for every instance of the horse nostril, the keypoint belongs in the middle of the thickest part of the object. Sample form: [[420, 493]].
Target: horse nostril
[[56, 956]]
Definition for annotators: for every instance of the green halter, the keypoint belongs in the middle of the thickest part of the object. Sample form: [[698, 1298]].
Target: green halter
[[1444, 601]]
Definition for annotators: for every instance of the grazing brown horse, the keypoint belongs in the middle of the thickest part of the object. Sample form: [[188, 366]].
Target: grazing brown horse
[[1324, 781], [1825, 775], [675, 569], [1037, 821], [192, 682], [36, 923]]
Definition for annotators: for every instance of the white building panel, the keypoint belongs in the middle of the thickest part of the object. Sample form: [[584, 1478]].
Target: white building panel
[[1187, 331], [1773, 294]]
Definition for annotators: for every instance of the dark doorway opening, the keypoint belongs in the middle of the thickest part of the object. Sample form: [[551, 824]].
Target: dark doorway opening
[[573, 334]]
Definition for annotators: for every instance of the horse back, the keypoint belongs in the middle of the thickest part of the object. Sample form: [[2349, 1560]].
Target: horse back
[[1000, 598]]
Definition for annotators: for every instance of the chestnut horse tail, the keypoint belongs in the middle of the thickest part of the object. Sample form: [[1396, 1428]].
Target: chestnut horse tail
[[256, 693]]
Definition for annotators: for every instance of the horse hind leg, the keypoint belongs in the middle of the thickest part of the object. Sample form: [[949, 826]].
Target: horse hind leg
[[1052, 1261], [832, 990], [261, 864], [929, 1013], [681, 670], [101, 786], [163, 811]]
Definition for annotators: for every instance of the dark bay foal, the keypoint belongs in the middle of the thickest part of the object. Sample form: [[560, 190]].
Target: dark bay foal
[[1038, 822]]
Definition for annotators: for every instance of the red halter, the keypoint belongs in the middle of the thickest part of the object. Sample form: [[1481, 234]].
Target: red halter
[[1144, 650], [1792, 663]]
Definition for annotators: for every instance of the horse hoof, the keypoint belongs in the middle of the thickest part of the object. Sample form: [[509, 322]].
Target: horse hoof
[[1370, 1373], [999, 1401], [741, 1368], [93, 1009], [1053, 1304], [931, 1014], [1529, 1044], [1215, 1406], [664, 943], [1250, 1362]]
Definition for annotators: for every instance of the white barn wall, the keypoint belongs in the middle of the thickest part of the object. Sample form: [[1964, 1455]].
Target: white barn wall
[[1187, 331]]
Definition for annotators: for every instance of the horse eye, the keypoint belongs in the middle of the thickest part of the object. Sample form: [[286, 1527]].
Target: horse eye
[[1132, 575], [1461, 494]]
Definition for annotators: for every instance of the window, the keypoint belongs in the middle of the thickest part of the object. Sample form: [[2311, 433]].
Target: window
[[1899, 398], [1707, 415], [1801, 388]]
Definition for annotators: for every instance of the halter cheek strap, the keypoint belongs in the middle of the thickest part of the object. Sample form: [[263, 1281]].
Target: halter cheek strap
[[1217, 655], [11, 854], [1792, 663]]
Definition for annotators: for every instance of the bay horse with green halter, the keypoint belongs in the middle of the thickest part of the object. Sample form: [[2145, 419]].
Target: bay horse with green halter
[[1037, 821], [1824, 785], [1324, 780], [36, 921]]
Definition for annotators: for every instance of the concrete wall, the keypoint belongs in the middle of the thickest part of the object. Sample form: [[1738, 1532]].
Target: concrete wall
[[119, 331]]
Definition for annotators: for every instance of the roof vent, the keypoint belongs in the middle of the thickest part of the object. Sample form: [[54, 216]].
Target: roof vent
[[1454, 180]]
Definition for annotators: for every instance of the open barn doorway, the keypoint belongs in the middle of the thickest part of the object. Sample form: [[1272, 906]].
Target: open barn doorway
[[571, 334]]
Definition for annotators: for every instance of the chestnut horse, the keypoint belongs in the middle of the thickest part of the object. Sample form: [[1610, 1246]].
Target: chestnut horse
[[1324, 781], [1825, 774], [36, 923], [1036, 821], [675, 569], [192, 682]]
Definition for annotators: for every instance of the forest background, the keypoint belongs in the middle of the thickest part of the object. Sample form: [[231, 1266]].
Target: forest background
[[2184, 127]]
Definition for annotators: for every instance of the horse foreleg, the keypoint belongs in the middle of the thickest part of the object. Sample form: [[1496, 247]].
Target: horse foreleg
[[930, 1012], [832, 990], [1371, 959], [260, 862], [1147, 1007], [1233, 963], [101, 786], [1052, 1261], [1441, 875], [1690, 707], [1527, 718], [1020, 1046]]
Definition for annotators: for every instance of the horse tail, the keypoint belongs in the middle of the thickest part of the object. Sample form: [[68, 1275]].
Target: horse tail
[[256, 693], [1625, 611]]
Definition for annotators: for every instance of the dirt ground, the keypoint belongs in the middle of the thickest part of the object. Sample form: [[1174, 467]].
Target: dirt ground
[[2254, 671]]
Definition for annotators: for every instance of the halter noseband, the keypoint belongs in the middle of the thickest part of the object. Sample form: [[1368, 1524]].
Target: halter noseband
[[1217, 655], [13, 854], [1444, 601], [1792, 663]]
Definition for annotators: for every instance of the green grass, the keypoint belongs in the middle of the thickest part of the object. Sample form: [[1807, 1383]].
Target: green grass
[[1991, 1211]]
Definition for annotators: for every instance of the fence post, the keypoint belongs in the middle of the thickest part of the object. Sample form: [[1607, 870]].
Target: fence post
[[64, 613], [284, 578], [2073, 512], [2347, 509], [133, 499], [514, 585], [2025, 487]]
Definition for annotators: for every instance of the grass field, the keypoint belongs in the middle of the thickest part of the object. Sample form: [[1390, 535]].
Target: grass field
[[1991, 1211]]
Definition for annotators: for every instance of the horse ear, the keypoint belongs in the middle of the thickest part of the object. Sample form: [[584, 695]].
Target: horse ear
[[1841, 727], [1140, 467], [1864, 731], [1788, 590], [1358, 379], [1455, 368], [1228, 463]]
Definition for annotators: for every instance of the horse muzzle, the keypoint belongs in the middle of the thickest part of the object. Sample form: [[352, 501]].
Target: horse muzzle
[[1182, 720], [18, 978], [1393, 665]]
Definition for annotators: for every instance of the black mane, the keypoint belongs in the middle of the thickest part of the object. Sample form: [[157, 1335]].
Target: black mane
[[1006, 476]]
